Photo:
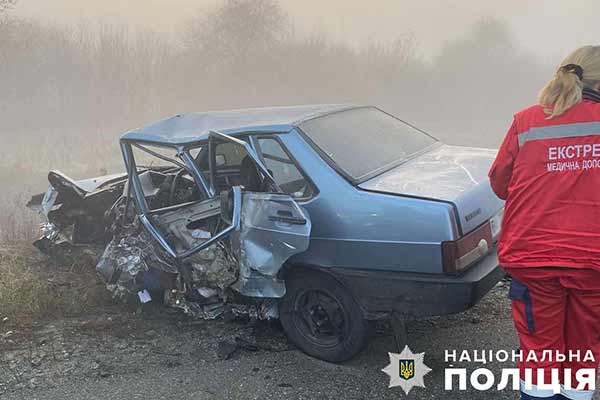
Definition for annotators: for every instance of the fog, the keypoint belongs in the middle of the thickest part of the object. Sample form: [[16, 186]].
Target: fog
[[534, 23], [74, 75], [459, 69]]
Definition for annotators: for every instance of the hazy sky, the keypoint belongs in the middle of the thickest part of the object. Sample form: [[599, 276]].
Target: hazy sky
[[549, 27]]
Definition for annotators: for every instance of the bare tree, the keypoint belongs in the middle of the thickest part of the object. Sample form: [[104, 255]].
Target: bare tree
[[238, 28], [106, 78], [6, 5]]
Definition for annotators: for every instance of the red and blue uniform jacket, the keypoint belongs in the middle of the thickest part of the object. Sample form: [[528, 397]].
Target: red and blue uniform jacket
[[548, 171]]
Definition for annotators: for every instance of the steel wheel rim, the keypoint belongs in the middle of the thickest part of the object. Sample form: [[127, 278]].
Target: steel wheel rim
[[320, 317]]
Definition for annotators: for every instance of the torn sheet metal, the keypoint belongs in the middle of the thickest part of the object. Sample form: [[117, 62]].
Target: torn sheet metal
[[125, 260], [172, 241], [177, 299], [214, 267], [133, 262], [48, 200], [264, 310], [76, 214], [49, 230], [273, 228]]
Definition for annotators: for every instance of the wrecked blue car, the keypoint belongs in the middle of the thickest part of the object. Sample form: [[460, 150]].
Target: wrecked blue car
[[326, 217]]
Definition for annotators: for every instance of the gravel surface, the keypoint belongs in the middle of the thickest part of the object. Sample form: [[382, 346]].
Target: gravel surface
[[153, 354]]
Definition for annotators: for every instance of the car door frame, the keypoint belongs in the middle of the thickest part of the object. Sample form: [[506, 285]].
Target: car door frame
[[284, 226], [215, 136], [144, 213], [254, 139], [206, 186]]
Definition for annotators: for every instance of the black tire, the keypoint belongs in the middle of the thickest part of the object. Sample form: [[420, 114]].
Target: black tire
[[321, 317]]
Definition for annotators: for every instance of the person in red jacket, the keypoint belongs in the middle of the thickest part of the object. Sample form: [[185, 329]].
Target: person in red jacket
[[548, 171]]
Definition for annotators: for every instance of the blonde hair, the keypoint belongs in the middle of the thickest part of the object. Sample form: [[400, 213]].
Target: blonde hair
[[565, 89]]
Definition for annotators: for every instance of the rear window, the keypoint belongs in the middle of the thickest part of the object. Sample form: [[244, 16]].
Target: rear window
[[365, 141]]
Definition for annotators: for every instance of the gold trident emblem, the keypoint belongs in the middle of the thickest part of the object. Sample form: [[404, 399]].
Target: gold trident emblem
[[407, 369]]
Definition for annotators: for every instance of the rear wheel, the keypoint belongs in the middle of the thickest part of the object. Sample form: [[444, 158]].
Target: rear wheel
[[321, 317]]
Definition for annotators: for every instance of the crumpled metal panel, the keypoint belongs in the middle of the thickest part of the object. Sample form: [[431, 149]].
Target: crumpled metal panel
[[124, 261], [273, 228], [48, 200], [213, 267]]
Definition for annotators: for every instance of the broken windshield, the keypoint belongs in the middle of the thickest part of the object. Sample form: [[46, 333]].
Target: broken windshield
[[363, 142]]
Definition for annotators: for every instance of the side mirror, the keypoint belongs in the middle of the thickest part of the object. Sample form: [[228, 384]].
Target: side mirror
[[220, 160]]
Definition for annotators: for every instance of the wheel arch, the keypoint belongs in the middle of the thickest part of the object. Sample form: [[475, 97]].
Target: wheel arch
[[290, 269]]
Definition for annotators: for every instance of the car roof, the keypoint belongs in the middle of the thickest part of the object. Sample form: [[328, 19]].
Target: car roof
[[195, 127]]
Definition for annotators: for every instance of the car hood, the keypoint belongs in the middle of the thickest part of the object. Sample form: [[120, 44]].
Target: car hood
[[91, 184], [446, 173], [43, 202]]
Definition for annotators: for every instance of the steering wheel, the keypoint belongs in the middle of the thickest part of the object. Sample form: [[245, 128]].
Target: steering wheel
[[178, 175]]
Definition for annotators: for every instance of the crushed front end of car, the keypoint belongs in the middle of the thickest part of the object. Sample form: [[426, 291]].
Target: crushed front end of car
[[199, 240], [76, 214]]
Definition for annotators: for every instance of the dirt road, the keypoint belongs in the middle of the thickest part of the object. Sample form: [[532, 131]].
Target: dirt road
[[156, 355]]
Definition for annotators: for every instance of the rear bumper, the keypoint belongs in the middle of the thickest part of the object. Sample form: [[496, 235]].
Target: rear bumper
[[420, 295]]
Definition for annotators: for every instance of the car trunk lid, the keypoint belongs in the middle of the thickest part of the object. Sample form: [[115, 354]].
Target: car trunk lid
[[453, 174]]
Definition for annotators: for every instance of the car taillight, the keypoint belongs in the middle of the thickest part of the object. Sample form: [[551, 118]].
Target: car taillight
[[458, 255]]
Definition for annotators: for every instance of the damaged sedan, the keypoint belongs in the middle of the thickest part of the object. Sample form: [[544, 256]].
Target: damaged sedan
[[326, 217]]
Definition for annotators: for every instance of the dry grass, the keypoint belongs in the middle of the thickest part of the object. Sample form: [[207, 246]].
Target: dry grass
[[31, 286], [17, 222], [22, 293], [34, 288]]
